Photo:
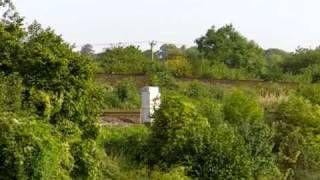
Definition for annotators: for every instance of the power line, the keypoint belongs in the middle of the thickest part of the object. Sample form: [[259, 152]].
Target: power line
[[135, 42]]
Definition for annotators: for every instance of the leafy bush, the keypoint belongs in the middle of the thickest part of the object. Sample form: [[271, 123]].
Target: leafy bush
[[163, 79], [198, 90], [245, 114], [123, 60], [179, 66], [123, 95], [55, 85], [28, 149], [223, 155], [310, 92], [240, 108], [11, 90], [128, 141], [177, 133], [297, 123]]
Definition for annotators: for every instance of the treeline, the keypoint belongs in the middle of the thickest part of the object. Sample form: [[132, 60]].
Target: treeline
[[221, 53]]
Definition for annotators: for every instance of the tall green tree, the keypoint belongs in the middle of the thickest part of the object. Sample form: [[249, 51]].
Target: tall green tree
[[58, 90], [228, 46]]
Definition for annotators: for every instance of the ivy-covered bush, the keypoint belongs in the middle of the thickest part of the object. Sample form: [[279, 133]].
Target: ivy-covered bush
[[178, 129], [53, 87], [31, 149]]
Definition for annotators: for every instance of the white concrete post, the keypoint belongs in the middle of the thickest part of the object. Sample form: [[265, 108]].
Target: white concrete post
[[150, 101]]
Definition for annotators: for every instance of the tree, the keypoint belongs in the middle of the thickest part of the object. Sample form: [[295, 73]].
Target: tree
[[275, 57], [58, 90], [228, 46], [87, 49], [301, 59], [9, 9], [179, 66], [168, 51], [130, 60]]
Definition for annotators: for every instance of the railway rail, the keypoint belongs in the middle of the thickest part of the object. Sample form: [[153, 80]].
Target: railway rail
[[120, 117]]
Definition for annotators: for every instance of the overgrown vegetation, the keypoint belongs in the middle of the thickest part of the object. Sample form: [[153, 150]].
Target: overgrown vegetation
[[50, 105]]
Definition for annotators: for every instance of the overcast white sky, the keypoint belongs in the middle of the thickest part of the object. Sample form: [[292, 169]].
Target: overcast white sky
[[282, 24]]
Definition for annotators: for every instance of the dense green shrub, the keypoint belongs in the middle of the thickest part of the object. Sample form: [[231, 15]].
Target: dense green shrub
[[240, 108], [56, 85], [298, 125], [163, 79], [310, 92], [223, 155], [179, 66], [177, 133], [123, 60], [29, 149], [221, 71], [211, 109], [11, 90], [198, 90], [123, 95], [245, 114], [128, 141]]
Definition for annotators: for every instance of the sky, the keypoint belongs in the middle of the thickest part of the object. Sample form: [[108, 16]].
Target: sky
[[284, 24]]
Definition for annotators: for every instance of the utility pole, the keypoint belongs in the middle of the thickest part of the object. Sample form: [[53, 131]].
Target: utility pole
[[152, 45]]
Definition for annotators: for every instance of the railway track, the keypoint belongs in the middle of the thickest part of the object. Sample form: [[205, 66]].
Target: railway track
[[120, 117]]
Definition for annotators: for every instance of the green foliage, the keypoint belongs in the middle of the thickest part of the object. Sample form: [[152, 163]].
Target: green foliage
[[301, 59], [125, 149], [300, 113], [198, 90], [310, 92], [274, 60], [297, 123], [212, 110], [240, 108], [169, 51], [179, 66], [163, 79], [49, 81], [221, 71], [123, 60], [50, 105], [88, 162], [11, 89], [245, 114], [29, 149], [226, 45], [130, 141], [124, 95], [180, 135], [223, 156], [178, 129]]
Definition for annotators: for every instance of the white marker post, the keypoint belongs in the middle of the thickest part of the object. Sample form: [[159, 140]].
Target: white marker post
[[150, 97]]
